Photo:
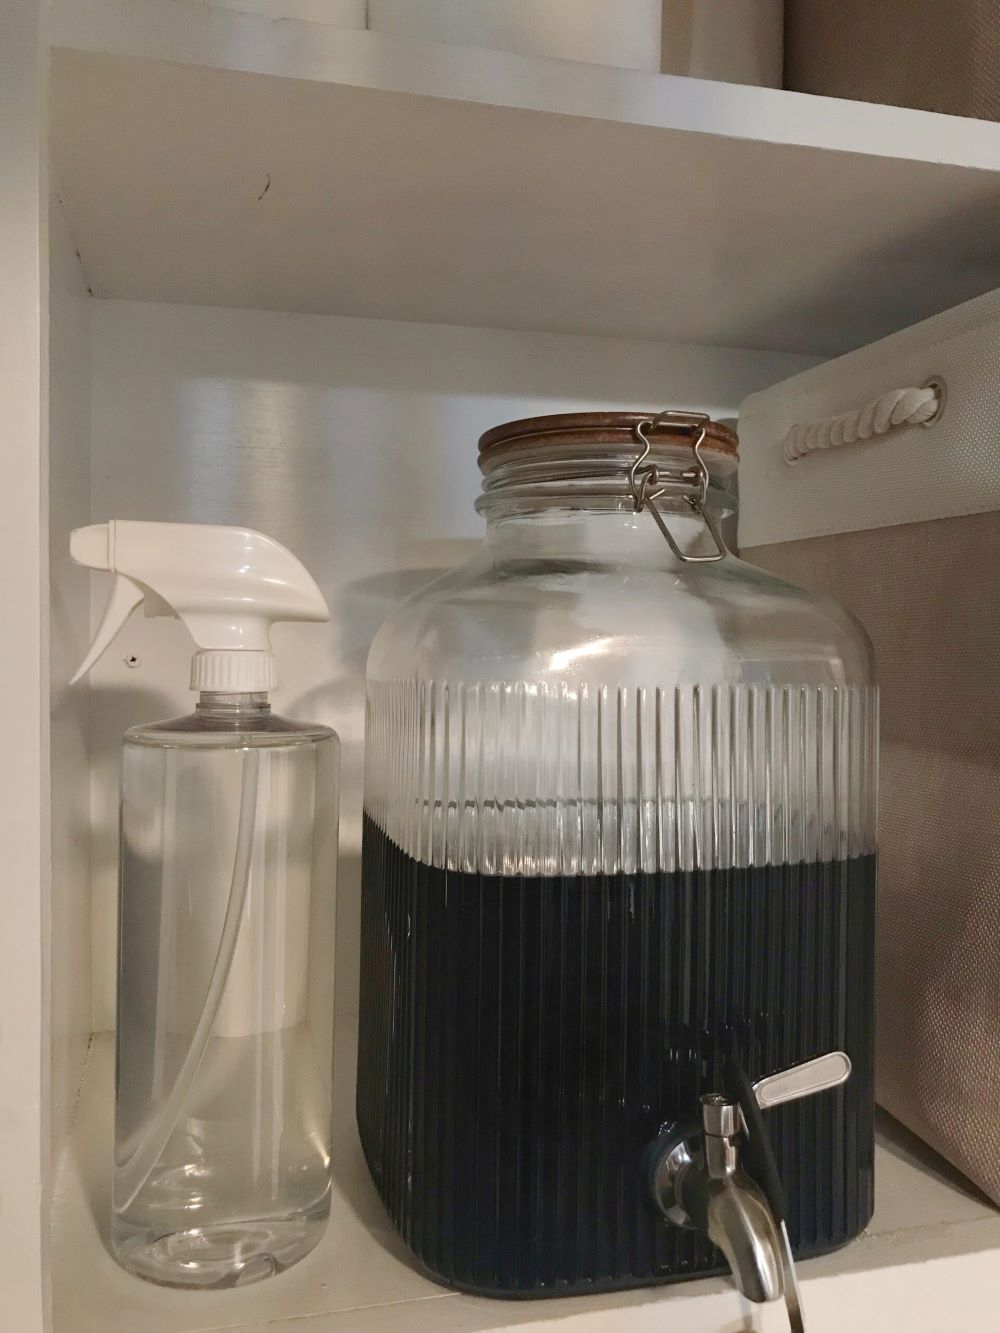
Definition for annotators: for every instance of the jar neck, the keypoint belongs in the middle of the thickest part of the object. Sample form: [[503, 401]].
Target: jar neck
[[601, 476], [586, 507], [603, 535]]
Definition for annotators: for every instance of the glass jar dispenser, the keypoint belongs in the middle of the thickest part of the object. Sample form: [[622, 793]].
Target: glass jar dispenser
[[619, 839]]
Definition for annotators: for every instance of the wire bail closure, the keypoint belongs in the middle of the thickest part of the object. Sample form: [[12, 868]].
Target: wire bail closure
[[646, 486]]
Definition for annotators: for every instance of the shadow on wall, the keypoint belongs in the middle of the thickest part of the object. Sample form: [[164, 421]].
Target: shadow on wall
[[359, 607]]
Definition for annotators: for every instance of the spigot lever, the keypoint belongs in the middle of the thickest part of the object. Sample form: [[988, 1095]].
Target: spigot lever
[[826, 1071]]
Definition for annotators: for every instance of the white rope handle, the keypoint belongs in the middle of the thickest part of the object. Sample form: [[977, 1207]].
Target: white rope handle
[[899, 407]]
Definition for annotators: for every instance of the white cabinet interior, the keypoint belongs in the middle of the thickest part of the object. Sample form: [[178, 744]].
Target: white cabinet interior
[[450, 238]]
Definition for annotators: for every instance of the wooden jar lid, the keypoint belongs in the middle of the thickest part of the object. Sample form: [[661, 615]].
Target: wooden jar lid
[[616, 429]]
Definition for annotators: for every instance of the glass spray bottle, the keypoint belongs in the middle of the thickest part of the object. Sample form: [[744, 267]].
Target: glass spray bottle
[[226, 922]]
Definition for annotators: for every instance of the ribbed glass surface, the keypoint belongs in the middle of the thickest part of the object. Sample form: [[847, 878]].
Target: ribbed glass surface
[[553, 779], [577, 903]]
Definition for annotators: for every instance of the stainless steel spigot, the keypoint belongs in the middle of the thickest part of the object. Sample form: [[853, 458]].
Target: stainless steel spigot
[[737, 1216], [699, 1178]]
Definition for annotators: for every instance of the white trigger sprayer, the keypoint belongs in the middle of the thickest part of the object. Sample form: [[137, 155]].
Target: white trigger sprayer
[[228, 585]]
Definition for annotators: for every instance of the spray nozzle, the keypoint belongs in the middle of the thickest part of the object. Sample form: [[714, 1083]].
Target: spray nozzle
[[228, 585]]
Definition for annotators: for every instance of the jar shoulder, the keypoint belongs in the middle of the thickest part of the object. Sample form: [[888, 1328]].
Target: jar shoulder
[[618, 624]]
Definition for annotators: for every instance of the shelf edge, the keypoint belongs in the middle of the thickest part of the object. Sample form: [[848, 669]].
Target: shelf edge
[[178, 32]]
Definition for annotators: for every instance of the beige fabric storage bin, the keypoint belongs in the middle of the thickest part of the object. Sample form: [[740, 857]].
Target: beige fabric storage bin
[[904, 529], [938, 55], [734, 41], [625, 33]]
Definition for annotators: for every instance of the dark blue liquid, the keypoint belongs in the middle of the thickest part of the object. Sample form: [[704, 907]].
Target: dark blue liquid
[[523, 1040]]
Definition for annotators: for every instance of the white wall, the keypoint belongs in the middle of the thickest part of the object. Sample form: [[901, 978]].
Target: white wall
[[69, 624], [352, 441]]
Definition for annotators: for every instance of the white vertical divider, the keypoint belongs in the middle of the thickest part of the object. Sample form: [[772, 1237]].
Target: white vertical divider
[[68, 942], [23, 675]]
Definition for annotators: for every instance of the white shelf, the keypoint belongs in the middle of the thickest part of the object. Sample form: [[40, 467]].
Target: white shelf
[[933, 1244], [213, 157]]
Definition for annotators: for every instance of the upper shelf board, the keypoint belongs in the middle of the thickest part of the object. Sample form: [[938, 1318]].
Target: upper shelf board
[[214, 157]]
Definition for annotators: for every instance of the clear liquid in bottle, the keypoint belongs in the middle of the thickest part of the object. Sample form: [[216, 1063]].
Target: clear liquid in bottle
[[225, 994]]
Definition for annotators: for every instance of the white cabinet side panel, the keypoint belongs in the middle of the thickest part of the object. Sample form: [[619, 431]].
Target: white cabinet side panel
[[69, 626], [23, 778], [352, 441]]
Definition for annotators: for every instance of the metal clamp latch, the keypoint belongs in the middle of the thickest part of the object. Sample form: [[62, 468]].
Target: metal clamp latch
[[647, 486]]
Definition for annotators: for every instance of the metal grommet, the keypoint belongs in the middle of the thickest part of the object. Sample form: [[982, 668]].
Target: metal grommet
[[940, 387]]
